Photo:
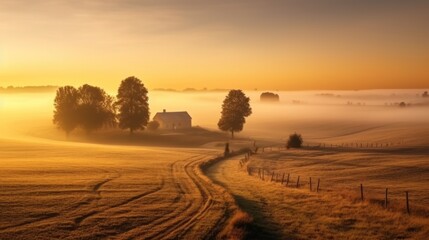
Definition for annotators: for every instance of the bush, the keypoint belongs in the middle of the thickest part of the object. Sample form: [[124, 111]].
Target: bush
[[295, 141], [153, 125]]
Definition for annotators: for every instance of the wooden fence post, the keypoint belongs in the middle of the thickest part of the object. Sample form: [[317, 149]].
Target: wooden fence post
[[287, 182], [408, 205], [361, 192], [318, 184], [311, 189], [297, 183], [283, 178], [385, 199]]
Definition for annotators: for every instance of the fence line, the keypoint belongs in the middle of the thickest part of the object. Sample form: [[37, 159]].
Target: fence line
[[261, 173], [340, 146]]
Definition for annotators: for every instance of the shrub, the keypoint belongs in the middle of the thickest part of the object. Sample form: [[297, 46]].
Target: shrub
[[153, 125], [295, 141]]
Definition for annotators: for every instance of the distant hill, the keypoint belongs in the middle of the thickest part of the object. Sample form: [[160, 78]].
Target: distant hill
[[26, 89]]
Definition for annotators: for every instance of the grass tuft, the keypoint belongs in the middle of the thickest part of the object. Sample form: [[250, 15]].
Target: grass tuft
[[239, 227]]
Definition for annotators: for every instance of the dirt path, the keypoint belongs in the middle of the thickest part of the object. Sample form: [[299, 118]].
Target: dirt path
[[287, 213], [250, 196]]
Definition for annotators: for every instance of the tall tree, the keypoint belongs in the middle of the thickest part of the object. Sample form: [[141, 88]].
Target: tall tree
[[235, 109], [133, 105], [66, 104], [95, 108]]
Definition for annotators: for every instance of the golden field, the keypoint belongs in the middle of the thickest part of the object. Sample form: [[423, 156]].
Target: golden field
[[151, 186], [89, 191]]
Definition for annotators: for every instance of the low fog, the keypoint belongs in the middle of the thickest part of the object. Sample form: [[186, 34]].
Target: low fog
[[316, 114]]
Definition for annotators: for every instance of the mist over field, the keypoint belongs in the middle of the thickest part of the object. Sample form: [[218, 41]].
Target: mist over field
[[214, 120], [314, 113], [174, 184]]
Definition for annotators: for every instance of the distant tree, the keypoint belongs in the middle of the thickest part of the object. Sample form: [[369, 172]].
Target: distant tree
[[153, 125], [133, 105], [235, 109], [425, 94], [96, 108], [269, 97], [66, 105], [295, 141]]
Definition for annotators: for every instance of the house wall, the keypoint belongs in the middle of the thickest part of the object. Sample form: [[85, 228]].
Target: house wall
[[173, 124]]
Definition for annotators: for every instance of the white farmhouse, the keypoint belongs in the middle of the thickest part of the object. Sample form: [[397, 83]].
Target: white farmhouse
[[173, 120]]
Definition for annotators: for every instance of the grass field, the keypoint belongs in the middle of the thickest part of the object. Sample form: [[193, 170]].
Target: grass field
[[336, 212], [57, 190], [150, 185], [282, 212]]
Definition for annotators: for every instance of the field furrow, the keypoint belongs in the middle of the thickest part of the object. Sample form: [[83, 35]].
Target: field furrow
[[95, 193]]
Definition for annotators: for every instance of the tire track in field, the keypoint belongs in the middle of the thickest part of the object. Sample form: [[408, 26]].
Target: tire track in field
[[177, 210], [181, 203], [94, 191], [206, 202], [132, 199], [196, 199]]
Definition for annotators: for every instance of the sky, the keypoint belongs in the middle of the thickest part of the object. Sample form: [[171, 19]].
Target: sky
[[247, 44]]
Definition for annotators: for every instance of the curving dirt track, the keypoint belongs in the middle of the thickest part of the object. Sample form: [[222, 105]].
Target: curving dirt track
[[68, 191], [285, 212]]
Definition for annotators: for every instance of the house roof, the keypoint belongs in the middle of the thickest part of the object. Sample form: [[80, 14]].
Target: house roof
[[172, 115]]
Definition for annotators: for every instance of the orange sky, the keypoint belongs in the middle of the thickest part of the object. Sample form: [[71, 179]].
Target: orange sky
[[274, 44]]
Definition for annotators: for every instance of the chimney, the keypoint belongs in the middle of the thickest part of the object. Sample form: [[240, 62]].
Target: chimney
[[164, 110]]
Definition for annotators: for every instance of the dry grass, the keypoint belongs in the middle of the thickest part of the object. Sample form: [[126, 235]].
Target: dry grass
[[280, 212], [55, 189], [239, 227], [344, 171], [59, 190]]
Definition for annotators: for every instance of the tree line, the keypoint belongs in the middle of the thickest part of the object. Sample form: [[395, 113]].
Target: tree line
[[91, 108]]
